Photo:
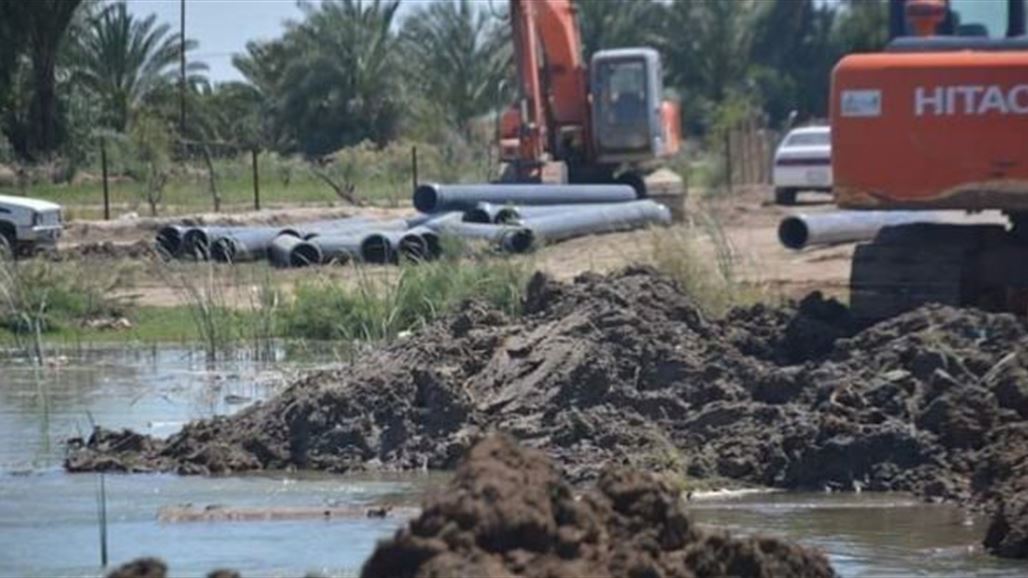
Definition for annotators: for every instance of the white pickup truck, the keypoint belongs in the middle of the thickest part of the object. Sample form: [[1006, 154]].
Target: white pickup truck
[[28, 225]]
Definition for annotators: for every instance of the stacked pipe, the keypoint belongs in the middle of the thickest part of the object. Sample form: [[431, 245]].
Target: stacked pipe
[[511, 217]]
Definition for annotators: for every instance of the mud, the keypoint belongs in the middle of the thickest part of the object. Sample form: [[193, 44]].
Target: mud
[[508, 512], [624, 369]]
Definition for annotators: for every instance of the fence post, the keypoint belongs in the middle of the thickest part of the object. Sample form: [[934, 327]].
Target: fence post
[[414, 166], [256, 181], [728, 158], [103, 170]]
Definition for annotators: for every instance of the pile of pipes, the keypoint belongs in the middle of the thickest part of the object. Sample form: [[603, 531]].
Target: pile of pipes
[[511, 218]]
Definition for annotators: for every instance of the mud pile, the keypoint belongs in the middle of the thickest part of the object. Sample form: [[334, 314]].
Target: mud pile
[[508, 512], [625, 369]]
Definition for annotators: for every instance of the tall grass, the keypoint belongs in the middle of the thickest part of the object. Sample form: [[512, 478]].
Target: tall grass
[[206, 295], [378, 308], [701, 259]]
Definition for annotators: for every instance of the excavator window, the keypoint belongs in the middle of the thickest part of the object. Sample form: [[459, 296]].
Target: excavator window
[[623, 110], [983, 18]]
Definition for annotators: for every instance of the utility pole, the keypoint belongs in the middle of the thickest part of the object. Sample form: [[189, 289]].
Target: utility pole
[[182, 70]]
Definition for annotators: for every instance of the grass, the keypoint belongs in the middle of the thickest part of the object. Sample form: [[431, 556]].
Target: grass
[[704, 264]]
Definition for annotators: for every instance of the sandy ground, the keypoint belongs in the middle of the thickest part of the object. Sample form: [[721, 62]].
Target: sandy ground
[[748, 219]]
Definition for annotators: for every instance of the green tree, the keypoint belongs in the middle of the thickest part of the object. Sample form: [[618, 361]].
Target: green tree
[[456, 59], [124, 60], [608, 24], [39, 27], [339, 80]]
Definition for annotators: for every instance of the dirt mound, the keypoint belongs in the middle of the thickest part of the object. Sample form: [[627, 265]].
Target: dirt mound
[[624, 369], [508, 512]]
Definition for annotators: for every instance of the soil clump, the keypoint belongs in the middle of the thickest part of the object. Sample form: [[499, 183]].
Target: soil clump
[[625, 369], [508, 512]]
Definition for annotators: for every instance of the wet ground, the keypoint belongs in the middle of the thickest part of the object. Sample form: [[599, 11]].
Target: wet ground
[[48, 518]]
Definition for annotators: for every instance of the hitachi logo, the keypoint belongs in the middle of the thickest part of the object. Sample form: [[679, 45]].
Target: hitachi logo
[[971, 100]]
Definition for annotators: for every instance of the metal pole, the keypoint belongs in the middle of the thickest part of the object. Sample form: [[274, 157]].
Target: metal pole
[[103, 169], [256, 182], [182, 69]]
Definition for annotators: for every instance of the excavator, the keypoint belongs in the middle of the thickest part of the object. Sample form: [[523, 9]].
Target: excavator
[[601, 123], [938, 120]]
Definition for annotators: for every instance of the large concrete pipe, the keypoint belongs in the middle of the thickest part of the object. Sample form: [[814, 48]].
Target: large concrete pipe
[[803, 230], [290, 251], [514, 214], [595, 220], [510, 238], [434, 198], [247, 244], [169, 239]]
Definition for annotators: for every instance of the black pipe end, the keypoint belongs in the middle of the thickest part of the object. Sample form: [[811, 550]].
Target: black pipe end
[[507, 215], [196, 244], [793, 233], [519, 241], [169, 240], [224, 250], [377, 249], [304, 255], [415, 248], [476, 215], [426, 198], [433, 244]]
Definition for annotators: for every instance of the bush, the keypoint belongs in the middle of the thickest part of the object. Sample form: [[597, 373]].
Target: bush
[[378, 309]]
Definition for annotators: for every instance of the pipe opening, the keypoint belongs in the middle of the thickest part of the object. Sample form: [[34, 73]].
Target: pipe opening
[[477, 215], [507, 215], [414, 247], [377, 249], [793, 233], [433, 245], [169, 240], [426, 198], [196, 244], [519, 241], [224, 250], [304, 255]]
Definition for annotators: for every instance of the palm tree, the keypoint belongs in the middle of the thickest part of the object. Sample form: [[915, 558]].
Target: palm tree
[[613, 24], [124, 60], [456, 58]]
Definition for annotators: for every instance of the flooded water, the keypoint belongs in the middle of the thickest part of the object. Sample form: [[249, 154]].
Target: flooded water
[[48, 519]]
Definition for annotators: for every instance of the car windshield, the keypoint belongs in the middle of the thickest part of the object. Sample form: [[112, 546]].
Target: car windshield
[[805, 139]]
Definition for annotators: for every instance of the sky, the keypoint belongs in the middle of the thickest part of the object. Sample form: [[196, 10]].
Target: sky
[[223, 27]]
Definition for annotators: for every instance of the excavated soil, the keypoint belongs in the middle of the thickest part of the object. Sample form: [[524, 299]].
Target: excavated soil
[[624, 369], [508, 512]]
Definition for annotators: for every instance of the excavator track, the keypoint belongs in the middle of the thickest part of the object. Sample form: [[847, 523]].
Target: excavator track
[[960, 265]]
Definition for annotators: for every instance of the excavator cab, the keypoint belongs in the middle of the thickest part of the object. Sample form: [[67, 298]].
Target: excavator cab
[[626, 88]]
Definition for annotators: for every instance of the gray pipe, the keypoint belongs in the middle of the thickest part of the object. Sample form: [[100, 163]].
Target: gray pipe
[[482, 213], [509, 238], [196, 241], [387, 246], [169, 239], [247, 244], [332, 226], [595, 220], [433, 198], [513, 214], [340, 248], [290, 251], [356, 228], [803, 230]]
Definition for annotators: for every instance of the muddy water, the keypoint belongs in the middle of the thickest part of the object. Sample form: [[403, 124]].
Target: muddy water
[[48, 519]]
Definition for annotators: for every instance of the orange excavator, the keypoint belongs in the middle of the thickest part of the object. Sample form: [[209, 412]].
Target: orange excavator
[[601, 123], [939, 120]]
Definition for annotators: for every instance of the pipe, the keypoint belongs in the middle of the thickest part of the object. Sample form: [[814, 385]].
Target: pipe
[[510, 238], [482, 213], [290, 251], [339, 248], [196, 241], [356, 228], [513, 214], [434, 198], [169, 239], [312, 228], [595, 220], [803, 230], [247, 244]]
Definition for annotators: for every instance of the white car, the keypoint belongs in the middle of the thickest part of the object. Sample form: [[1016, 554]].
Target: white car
[[803, 162], [28, 225]]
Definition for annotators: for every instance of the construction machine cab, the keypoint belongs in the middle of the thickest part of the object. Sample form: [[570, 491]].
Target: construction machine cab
[[626, 88]]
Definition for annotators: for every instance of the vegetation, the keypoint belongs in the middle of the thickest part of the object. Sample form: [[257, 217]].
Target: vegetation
[[350, 74]]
